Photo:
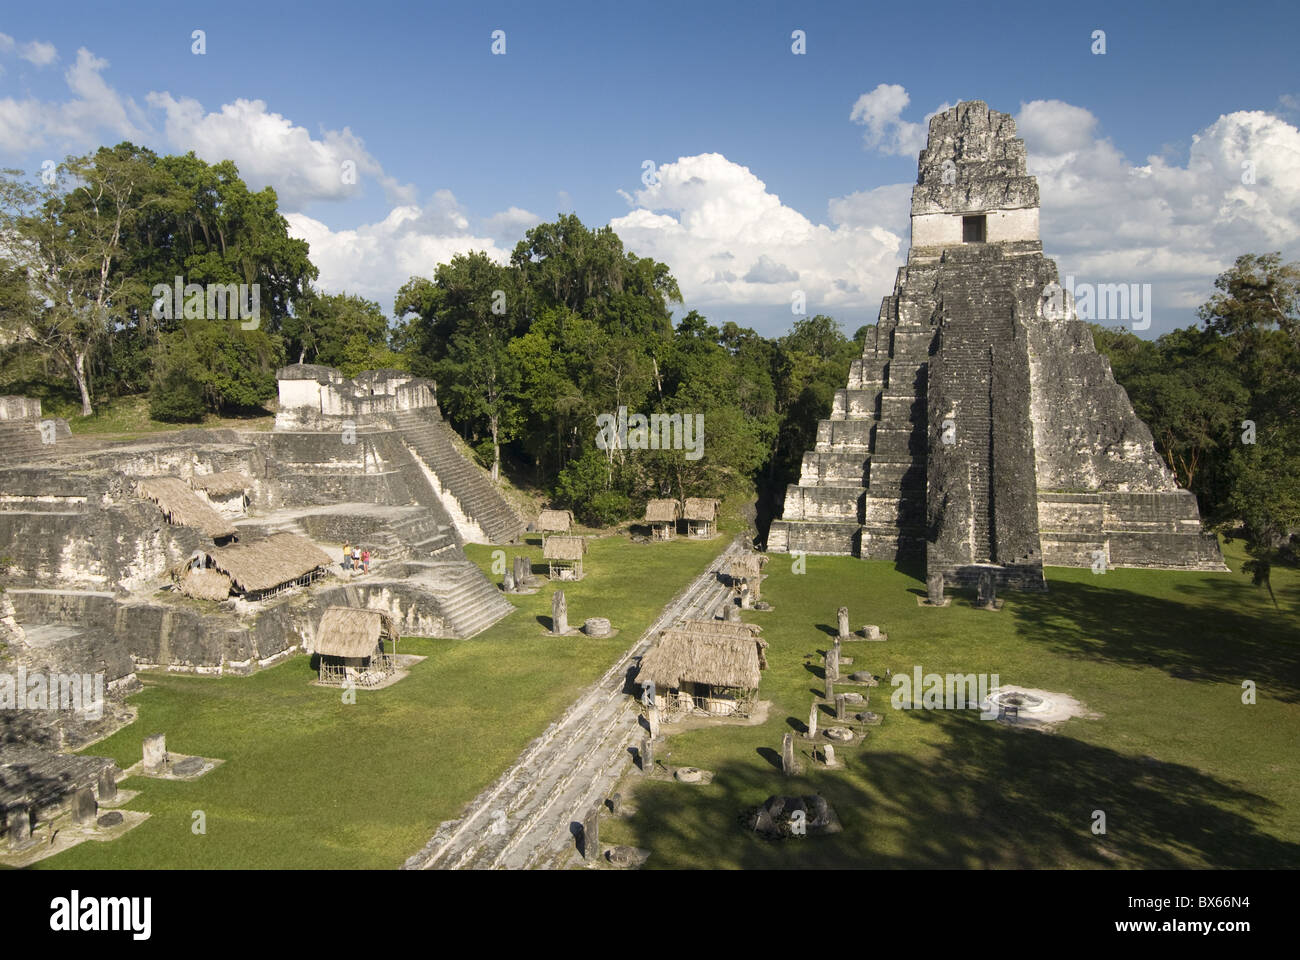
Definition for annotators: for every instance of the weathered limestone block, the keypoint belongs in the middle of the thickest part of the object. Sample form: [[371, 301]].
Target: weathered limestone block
[[155, 752], [559, 614]]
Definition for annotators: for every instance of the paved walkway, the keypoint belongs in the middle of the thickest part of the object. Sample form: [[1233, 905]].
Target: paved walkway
[[526, 819]]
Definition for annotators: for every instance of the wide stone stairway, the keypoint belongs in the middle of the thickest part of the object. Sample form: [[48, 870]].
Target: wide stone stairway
[[429, 438]]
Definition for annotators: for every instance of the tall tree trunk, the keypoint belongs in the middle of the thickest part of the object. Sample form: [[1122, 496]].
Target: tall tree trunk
[[79, 374], [496, 453]]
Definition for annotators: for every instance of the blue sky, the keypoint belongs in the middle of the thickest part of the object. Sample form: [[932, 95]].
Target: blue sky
[[459, 148]]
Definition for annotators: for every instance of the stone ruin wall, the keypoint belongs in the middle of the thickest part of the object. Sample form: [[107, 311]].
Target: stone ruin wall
[[82, 542], [314, 397]]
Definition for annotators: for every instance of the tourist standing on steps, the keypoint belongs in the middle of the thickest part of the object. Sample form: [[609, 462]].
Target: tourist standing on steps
[[347, 556], [365, 560], [356, 558]]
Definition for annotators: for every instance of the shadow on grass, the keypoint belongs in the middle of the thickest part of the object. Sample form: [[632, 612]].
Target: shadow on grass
[[1188, 640], [990, 797]]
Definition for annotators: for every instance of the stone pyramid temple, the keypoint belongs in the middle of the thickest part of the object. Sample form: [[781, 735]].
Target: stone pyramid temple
[[980, 430]]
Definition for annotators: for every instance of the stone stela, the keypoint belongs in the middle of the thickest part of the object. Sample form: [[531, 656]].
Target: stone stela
[[559, 614]]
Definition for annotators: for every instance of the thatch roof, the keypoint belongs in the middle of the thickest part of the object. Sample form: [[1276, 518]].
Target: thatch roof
[[700, 508], [720, 628], [182, 507], [687, 657], [353, 631], [662, 511], [558, 521], [564, 548], [221, 484], [727, 629], [269, 563], [747, 566], [205, 584]]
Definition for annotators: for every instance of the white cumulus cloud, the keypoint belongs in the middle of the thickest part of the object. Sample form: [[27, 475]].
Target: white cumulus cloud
[[1108, 219], [375, 259], [730, 241], [39, 53], [270, 150]]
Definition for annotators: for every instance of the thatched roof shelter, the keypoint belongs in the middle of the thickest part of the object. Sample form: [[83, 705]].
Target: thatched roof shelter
[[728, 629], [205, 583], [564, 548], [700, 508], [721, 628], [683, 656], [353, 632], [182, 507], [662, 511], [221, 484], [266, 564], [554, 521], [747, 566]]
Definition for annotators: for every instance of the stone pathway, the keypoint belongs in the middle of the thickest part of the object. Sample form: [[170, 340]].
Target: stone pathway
[[524, 820]]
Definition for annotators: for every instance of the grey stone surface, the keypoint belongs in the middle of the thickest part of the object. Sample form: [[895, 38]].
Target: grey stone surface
[[110, 819], [787, 754], [84, 807], [19, 828], [597, 627], [980, 429], [842, 619], [188, 767], [647, 755], [559, 614], [812, 720], [591, 835], [107, 785], [155, 752]]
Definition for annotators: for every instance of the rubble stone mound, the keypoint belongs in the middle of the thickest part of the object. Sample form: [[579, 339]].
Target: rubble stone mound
[[777, 819]]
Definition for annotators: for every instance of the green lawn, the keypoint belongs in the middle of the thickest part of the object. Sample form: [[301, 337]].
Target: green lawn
[[312, 782], [128, 418], [1186, 774]]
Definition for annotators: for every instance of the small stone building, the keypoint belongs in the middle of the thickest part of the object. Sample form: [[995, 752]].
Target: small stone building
[[704, 666], [350, 644], [701, 516], [662, 516], [563, 557]]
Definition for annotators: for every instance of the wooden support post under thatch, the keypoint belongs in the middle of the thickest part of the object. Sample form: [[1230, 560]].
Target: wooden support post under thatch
[[563, 557], [350, 644], [662, 516]]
